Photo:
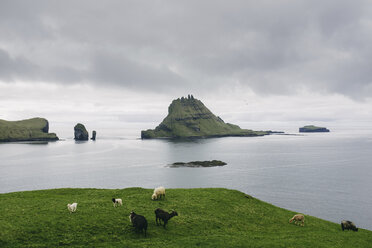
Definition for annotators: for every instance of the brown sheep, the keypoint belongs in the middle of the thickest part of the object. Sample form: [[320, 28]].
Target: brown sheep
[[298, 218]]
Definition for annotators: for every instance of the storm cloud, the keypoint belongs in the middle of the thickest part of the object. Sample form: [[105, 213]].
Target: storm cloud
[[269, 47]]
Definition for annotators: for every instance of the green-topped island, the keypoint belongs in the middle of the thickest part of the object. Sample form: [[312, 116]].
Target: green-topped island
[[189, 118], [35, 129]]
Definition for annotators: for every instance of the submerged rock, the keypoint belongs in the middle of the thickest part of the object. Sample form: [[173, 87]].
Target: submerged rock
[[194, 164], [80, 132], [93, 135], [35, 129], [312, 129]]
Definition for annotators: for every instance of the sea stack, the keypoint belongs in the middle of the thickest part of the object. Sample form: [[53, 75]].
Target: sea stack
[[189, 118], [94, 133], [80, 132]]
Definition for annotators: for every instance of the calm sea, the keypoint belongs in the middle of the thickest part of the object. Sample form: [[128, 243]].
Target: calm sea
[[328, 175]]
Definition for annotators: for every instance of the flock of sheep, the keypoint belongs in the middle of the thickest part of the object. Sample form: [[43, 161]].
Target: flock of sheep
[[139, 222]]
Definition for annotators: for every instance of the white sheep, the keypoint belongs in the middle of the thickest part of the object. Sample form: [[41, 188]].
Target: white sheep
[[159, 192], [72, 207], [117, 201], [153, 197], [298, 218]]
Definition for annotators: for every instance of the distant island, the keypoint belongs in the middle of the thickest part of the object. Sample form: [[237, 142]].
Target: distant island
[[189, 118], [35, 129], [313, 129], [194, 164]]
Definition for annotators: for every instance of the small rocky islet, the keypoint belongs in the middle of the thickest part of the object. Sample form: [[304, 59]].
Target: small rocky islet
[[94, 133], [194, 164], [313, 129], [80, 132]]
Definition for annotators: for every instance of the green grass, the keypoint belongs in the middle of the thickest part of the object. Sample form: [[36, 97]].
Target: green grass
[[207, 218], [34, 129]]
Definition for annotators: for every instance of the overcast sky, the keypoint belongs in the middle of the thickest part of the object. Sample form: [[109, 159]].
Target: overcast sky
[[124, 61]]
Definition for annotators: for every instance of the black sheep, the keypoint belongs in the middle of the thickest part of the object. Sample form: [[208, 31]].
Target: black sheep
[[348, 225], [138, 221], [164, 216]]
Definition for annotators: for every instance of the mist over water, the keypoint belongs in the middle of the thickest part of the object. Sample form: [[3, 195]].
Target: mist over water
[[327, 175]]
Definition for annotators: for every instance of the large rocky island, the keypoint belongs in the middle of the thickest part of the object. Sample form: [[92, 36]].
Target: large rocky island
[[189, 118], [35, 129], [313, 129]]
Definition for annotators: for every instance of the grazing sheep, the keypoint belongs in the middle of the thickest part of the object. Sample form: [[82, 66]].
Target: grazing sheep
[[164, 216], [117, 201], [159, 192], [138, 221], [348, 225], [72, 207], [298, 218]]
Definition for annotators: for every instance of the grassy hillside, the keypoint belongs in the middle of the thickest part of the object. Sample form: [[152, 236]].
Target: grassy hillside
[[207, 218], [35, 129], [188, 117]]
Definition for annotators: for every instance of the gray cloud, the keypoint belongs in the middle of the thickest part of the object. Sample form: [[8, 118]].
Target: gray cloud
[[19, 68], [117, 69], [275, 47], [12, 67]]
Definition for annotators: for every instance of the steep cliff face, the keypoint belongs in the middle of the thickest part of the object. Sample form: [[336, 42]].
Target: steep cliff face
[[188, 117], [35, 129]]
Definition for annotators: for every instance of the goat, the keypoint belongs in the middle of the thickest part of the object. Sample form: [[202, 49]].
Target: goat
[[164, 216], [138, 221]]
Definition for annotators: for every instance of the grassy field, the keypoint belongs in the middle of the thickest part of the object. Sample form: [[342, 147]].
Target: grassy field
[[207, 218]]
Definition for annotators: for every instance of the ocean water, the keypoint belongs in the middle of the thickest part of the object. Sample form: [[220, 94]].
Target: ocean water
[[327, 175]]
